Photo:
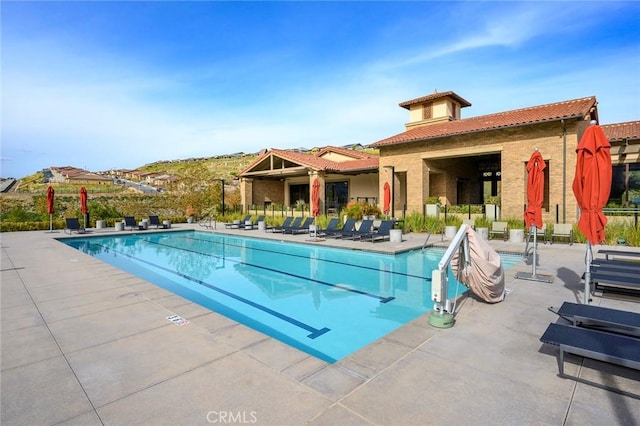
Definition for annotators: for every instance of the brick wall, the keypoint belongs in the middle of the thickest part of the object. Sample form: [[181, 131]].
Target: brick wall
[[440, 167]]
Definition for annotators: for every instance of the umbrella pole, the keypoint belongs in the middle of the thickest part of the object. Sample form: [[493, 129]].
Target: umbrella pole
[[587, 274], [85, 220], [50, 222], [534, 276], [535, 249]]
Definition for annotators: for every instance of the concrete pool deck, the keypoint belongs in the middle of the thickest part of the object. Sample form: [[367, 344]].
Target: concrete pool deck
[[85, 343]]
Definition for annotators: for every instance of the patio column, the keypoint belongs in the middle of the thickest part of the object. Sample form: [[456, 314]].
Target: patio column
[[246, 191]]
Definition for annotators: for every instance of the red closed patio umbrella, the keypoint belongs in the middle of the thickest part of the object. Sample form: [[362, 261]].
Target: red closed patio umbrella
[[315, 198], [50, 207], [83, 204], [387, 198], [535, 190], [592, 186], [533, 213]]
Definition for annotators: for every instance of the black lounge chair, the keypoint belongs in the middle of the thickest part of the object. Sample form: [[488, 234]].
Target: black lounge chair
[[619, 253], [238, 224], [287, 222], [130, 222], [597, 317], [302, 229], [346, 229], [381, 234], [254, 224], [332, 226], [155, 221], [73, 224], [627, 280], [364, 229], [292, 223], [594, 344], [616, 265]]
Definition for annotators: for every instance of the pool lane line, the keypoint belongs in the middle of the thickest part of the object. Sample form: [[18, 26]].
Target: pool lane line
[[342, 287], [314, 332], [323, 260]]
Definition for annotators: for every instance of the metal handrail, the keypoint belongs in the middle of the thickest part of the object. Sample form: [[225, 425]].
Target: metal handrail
[[424, 245]]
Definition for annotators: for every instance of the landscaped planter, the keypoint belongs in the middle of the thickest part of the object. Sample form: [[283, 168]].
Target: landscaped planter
[[450, 231], [516, 235], [492, 211], [433, 210], [395, 235], [483, 232]]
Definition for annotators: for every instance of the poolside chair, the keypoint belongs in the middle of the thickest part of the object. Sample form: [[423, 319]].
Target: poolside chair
[[381, 234], [364, 229], [130, 222], [594, 344], [615, 265], [562, 230], [621, 281], [302, 229], [155, 221], [236, 224], [285, 224], [73, 224], [254, 224], [346, 229], [499, 229], [603, 319], [541, 234], [619, 253], [295, 223], [332, 226]]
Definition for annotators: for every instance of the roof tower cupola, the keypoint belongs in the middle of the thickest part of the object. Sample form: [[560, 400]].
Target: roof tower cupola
[[434, 108]]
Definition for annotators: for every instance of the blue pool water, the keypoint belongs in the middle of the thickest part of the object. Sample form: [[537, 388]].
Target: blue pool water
[[328, 302]]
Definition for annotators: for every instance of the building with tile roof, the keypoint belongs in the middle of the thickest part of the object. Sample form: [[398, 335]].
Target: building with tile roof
[[479, 159], [473, 160], [285, 177]]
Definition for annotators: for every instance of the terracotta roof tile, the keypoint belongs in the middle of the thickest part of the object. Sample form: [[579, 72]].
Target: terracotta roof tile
[[620, 131], [344, 151], [556, 111], [463, 102], [362, 162]]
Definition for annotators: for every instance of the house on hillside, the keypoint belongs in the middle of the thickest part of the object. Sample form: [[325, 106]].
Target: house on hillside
[[459, 160], [76, 176]]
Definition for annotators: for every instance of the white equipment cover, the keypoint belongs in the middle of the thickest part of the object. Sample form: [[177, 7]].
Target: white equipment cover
[[483, 272]]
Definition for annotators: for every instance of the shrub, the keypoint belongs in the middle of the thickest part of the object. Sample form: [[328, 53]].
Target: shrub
[[355, 210]]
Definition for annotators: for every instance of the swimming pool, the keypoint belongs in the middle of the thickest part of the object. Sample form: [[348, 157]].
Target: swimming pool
[[328, 302]]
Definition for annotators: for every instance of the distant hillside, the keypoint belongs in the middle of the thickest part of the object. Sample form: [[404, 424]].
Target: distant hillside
[[220, 167], [224, 166]]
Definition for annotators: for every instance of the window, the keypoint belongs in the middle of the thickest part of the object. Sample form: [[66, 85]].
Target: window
[[427, 112]]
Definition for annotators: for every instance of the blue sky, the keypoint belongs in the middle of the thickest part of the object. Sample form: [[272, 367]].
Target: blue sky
[[103, 85]]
